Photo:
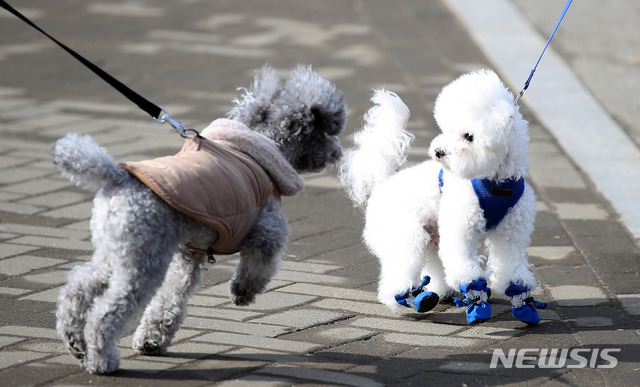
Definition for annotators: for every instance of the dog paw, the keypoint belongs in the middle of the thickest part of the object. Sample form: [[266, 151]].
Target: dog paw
[[76, 345], [150, 342], [150, 348], [240, 295], [105, 364]]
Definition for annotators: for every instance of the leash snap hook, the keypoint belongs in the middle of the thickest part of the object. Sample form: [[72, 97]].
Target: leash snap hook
[[520, 94], [177, 125]]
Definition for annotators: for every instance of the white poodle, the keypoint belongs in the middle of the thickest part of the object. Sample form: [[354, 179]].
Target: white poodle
[[426, 223], [155, 223]]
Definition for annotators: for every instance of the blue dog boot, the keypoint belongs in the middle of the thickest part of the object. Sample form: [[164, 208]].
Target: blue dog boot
[[523, 305], [425, 301], [421, 301], [475, 301]]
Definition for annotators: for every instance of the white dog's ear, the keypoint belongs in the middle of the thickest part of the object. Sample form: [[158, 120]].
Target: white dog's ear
[[502, 115]]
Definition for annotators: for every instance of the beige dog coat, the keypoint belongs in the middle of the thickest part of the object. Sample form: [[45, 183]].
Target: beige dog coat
[[222, 179]]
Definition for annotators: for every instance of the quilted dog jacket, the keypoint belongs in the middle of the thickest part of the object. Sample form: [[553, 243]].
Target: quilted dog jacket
[[221, 178]]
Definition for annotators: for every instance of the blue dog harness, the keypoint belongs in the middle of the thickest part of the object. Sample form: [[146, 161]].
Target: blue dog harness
[[495, 199]]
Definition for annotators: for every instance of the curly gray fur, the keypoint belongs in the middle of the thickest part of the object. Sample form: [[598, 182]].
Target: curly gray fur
[[141, 257], [303, 116]]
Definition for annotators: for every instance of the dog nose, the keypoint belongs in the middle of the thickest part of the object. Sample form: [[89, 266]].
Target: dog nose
[[440, 153]]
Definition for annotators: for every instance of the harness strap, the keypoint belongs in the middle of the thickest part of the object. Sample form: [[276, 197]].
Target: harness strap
[[209, 251], [495, 199]]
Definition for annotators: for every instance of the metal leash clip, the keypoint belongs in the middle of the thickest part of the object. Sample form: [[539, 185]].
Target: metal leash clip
[[520, 94], [177, 125]]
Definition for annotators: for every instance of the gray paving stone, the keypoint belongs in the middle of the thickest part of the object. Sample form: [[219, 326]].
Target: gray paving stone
[[93, 107], [56, 277], [13, 291], [261, 330], [296, 276], [327, 291], [6, 341], [235, 314], [45, 123], [301, 318], [277, 300], [29, 332], [292, 359], [485, 332], [50, 295], [18, 208], [188, 351], [420, 327], [14, 358], [581, 211], [361, 308], [321, 376], [308, 267], [10, 249], [39, 186], [201, 300], [552, 253], [630, 302], [42, 241], [594, 322], [258, 342], [56, 199], [146, 366], [573, 295], [25, 264], [564, 175], [46, 231], [432, 341], [16, 175], [48, 346], [345, 334], [76, 211]]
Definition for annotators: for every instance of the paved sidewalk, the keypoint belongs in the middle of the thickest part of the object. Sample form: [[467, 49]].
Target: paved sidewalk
[[319, 323]]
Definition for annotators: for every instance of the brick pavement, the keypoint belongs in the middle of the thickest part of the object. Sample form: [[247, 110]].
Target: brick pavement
[[319, 322]]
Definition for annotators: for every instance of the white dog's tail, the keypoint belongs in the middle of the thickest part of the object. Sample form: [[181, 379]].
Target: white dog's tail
[[85, 163], [378, 148]]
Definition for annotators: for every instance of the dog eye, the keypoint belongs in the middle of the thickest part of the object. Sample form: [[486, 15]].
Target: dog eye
[[468, 137]]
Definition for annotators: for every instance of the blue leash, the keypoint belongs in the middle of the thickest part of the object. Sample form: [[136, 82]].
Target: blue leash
[[526, 84]]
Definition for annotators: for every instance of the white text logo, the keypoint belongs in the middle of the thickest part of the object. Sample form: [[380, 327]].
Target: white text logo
[[555, 358]]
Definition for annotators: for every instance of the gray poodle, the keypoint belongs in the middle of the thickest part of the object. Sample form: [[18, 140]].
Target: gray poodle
[[153, 226]]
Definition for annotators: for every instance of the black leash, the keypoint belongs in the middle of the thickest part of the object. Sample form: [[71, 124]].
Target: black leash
[[155, 111]]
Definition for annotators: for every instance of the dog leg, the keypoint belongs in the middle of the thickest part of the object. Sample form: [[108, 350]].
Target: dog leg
[[402, 250], [510, 271], [85, 283], [260, 255], [133, 281], [460, 222], [507, 248], [168, 308], [434, 269]]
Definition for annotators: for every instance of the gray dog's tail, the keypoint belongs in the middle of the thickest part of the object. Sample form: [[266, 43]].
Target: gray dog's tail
[[84, 162]]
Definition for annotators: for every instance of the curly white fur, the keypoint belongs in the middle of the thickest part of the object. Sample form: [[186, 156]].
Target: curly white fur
[[379, 147], [415, 228], [400, 224], [147, 254]]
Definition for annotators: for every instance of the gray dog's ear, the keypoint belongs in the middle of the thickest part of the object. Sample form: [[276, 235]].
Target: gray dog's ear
[[330, 120], [254, 106], [315, 100]]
